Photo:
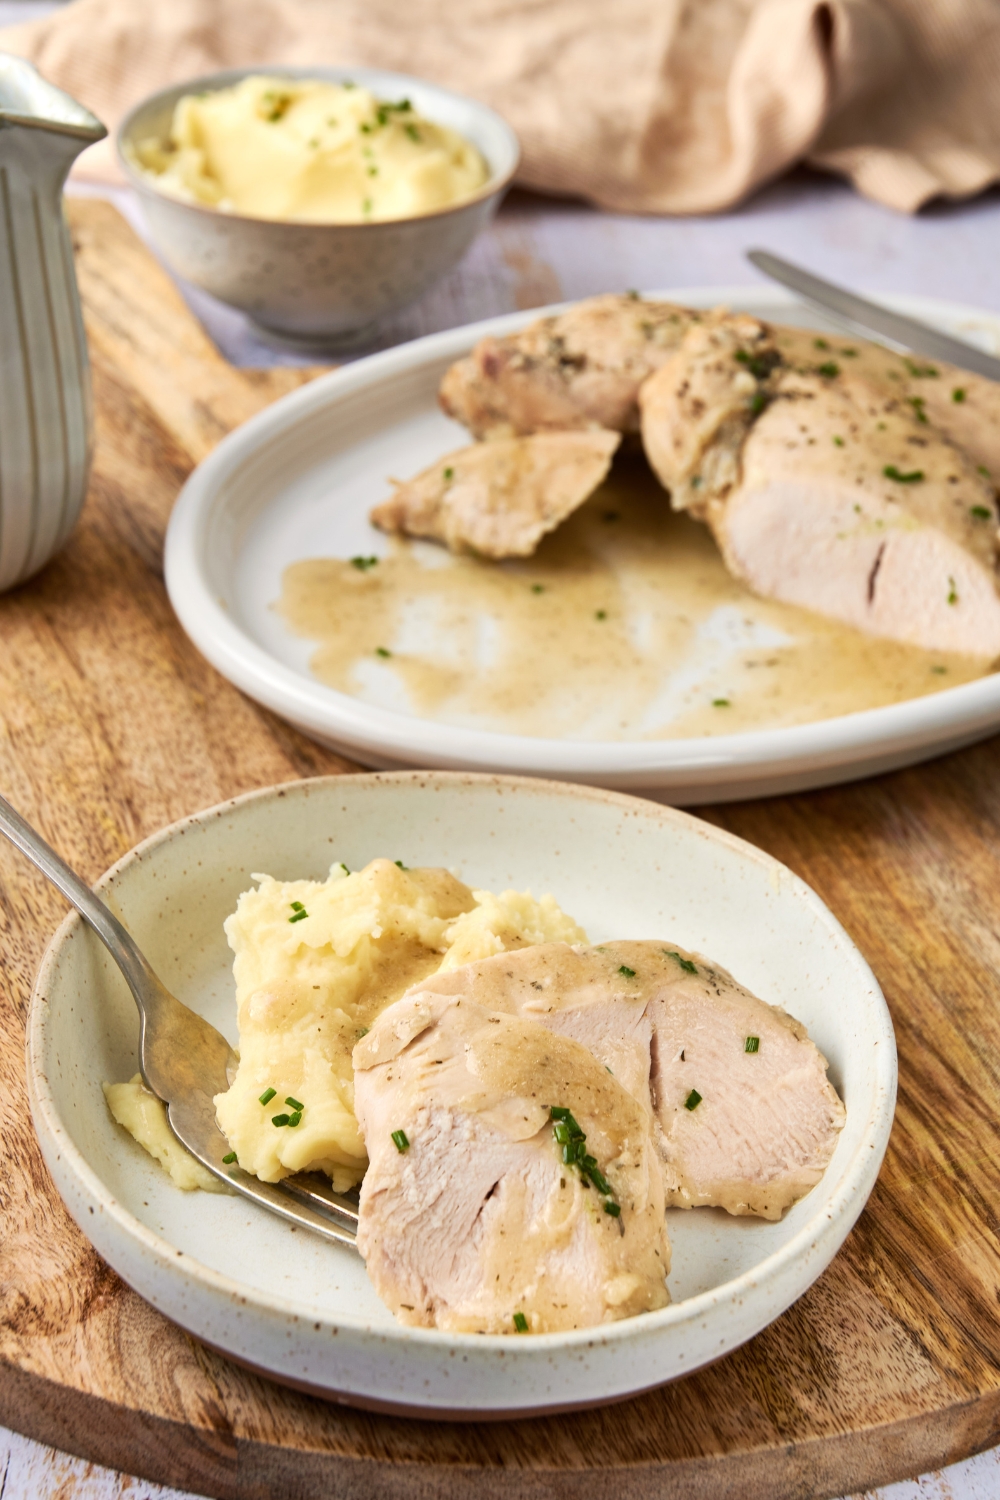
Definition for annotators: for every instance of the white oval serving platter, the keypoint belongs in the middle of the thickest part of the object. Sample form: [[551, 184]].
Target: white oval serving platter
[[302, 1310], [298, 480]]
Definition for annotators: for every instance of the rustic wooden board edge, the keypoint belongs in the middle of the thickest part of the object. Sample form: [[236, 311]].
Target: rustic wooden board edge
[[217, 1464]]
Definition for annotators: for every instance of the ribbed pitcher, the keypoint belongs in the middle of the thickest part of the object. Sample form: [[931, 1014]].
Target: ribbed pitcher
[[45, 405]]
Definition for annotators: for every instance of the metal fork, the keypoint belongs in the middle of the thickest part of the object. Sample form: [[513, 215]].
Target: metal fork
[[184, 1060]]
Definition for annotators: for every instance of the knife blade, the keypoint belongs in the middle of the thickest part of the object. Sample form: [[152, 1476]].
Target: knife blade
[[905, 335]]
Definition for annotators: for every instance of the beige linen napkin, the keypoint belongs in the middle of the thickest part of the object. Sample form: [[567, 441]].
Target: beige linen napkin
[[649, 106]]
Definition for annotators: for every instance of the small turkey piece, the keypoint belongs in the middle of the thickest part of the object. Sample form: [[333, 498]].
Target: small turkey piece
[[826, 490], [580, 368], [766, 1125], [479, 1218], [500, 498]]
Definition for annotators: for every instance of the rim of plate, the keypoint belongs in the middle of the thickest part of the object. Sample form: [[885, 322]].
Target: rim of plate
[[833, 1218], [370, 729]]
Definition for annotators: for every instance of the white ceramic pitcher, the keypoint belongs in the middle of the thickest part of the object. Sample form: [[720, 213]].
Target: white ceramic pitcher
[[45, 407]]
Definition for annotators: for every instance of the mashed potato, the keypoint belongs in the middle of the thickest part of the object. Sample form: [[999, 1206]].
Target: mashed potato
[[315, 964], [310, 151], [144, 1116]]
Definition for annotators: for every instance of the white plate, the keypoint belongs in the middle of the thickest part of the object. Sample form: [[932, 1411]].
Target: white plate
[[303, 1310], [298, 480]]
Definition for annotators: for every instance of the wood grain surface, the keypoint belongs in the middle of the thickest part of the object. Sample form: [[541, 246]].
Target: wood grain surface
[[112, 725]]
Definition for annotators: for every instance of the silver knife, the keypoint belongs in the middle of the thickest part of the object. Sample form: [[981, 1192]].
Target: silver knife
[[905, 335]]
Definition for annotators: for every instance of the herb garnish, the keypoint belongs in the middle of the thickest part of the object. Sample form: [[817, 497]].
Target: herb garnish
[[939, 671], [685, 963], [913, 477], [759, 365], [820, 344], [624, 969], [294, 1119], [449, 473], [752, 1044], [982, 469], [229, 1158], [632, 294], [721, 703], [294, 1103], [757, 403], [830, 368], [382, 651], [363, 563], [299, 910], [267, 1096], [573, 1143], [918, 404], [413, 133], [600, 614], [400, 1141], [399, 862], [952, 591], [279, 1120], [520, 1323], [693, 1100], [980, 512], [920, 372], [538, 588], [958, 394], [838, 442]]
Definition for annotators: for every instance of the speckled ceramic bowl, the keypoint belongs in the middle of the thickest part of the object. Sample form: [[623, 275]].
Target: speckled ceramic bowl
[[302, 1310], [320, 283]]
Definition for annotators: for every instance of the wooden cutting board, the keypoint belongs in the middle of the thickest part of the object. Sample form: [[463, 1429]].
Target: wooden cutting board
[[111, 725]]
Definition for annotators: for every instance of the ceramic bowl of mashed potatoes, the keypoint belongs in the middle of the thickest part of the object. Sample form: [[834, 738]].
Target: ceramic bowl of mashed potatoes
[[315, 200]]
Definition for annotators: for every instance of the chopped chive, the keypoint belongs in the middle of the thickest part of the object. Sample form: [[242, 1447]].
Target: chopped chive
[[720, 703], [918, 403], [363, 1031], [299, 916], [624, 969], [982, 469], [399, 862], [267, 1096], [958, 394], [752, 1044], [520, 1322], [913, 477], [695, 481], [981, 512], [612, 1208], [382, 651], [279, 1120], [850, 353], [229, 1158], [297, 906], [939, 671], [413, 133], [366, 205], [757, 403], [363, 563], [294, 1119], [952, 591], [685, 963], [920, 372], [400, 1141], [830, 368], [820, 344], [538, 588], [294, 1103], [693, 1100], [838, 442], [600, 614], [449, 473]]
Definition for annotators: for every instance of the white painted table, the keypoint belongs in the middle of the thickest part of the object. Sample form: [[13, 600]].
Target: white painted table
[[539, 251]]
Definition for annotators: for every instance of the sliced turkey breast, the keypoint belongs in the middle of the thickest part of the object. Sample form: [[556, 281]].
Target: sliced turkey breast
[[826, 490], [500, 498], [514, 1182], [581, 368], [749, 1119]]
